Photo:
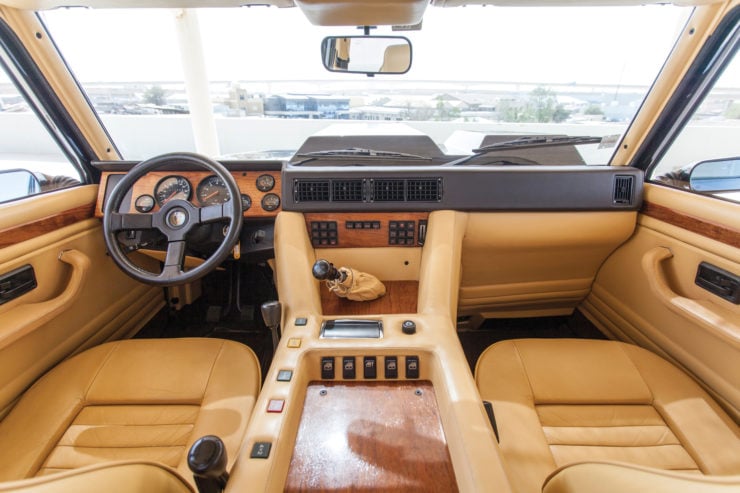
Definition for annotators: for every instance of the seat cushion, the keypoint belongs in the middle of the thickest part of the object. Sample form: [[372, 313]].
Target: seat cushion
[[607, 477], [558, 402], [115, 477], [131, 400]]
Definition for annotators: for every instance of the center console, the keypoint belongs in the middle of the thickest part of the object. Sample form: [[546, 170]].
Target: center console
[[384, 399]]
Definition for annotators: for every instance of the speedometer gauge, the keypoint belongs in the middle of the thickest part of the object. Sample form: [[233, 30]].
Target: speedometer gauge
[[212, 190], [172, 187]]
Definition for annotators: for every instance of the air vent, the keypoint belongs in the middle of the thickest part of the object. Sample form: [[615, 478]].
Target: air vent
[[623, 189], [388, 190], [311, 191], [429, 190], [346, 191]]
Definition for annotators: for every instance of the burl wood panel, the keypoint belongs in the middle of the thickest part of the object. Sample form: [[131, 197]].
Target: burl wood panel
[[247, 181], [367, 238], [693, 224], [382, 436], [400, 297], [32, 229]]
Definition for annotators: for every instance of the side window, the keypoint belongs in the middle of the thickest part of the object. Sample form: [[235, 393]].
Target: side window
[[31, 162], [705, 156]]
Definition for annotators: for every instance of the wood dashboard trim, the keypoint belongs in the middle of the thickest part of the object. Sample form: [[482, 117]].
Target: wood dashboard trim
[[703, 227], [245, 179], [32, 229]]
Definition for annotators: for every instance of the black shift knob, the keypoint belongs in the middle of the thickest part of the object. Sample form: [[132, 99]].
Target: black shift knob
[[323, 270], [207, 460]]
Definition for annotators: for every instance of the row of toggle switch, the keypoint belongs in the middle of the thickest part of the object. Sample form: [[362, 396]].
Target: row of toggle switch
[[369, 367]]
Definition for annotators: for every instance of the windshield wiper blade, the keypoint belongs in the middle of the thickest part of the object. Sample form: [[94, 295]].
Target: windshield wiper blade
[[356, 152], [527, 143]]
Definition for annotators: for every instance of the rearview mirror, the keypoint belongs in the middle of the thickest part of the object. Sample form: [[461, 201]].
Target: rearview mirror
[[368, 55], [17, 183], [717, 175]]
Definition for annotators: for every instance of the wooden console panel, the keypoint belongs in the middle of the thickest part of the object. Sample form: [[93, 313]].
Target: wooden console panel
[[377, 436], [400, 297]]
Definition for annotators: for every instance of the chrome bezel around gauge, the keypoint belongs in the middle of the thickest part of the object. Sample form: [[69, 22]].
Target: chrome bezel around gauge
[[216, 191], [265, 183], [270, 202], [144, 203], [171, 182], [246, 202]]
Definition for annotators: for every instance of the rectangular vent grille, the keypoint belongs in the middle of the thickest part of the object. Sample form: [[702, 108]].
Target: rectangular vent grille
[[346, 191], [311, 191], [389, 190], [423, 190], [623, 190]]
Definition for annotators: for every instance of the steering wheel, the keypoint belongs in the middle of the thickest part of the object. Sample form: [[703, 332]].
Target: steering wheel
[[175, 219]]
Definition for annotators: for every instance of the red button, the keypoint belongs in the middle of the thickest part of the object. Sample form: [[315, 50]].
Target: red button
[[275, 406]]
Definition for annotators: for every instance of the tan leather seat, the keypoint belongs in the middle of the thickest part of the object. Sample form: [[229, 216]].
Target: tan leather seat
[[624, 478], [559, 402], [144, 400]]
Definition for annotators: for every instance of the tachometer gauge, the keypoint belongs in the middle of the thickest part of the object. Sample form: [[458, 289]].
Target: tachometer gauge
[[172, 187], [265, 183], [270, 202], [212, 190]]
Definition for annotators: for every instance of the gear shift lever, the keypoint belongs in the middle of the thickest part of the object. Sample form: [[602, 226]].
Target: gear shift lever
[[271, 312], [323, 270], [207, 460]]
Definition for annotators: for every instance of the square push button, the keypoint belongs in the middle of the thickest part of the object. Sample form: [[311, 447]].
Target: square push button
[[327, 368], [275, 406], [370, 367], [348, 368], [294, 342], [261, 450], [412, 367], [391, 367], [284, 375]]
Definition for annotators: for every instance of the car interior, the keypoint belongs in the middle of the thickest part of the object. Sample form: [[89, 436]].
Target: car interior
[[373, 309]]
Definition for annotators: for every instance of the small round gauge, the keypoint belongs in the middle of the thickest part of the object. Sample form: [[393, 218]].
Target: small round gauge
[[144, 203], [172, 187], [270, 202], [212, 190], [246, 202], [265, 183]]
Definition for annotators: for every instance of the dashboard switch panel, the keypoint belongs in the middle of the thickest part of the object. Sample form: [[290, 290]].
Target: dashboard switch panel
[[324, 233]]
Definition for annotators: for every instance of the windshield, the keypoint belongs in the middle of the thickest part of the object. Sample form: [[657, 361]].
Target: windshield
[[477, 72]]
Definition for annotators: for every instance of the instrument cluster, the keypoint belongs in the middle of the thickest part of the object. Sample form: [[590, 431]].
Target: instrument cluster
[[209, 190]]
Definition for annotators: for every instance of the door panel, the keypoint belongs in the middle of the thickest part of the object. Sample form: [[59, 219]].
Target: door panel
[[646, 291], [81, 298]]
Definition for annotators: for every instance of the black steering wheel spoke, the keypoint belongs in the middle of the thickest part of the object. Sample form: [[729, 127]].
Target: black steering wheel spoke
[[126, 221], [217, 212], [174, 260]]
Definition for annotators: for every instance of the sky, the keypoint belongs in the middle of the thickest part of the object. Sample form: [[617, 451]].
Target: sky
[[612, 45]]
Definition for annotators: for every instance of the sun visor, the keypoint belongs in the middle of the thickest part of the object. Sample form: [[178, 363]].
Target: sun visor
[[362, 12]]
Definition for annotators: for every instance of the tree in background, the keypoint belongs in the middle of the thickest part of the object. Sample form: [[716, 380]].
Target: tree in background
[[541, 107], [155, 95]]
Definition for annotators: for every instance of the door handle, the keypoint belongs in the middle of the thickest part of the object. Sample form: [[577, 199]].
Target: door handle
[[25, 318], [708, 315], [16, 283]]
